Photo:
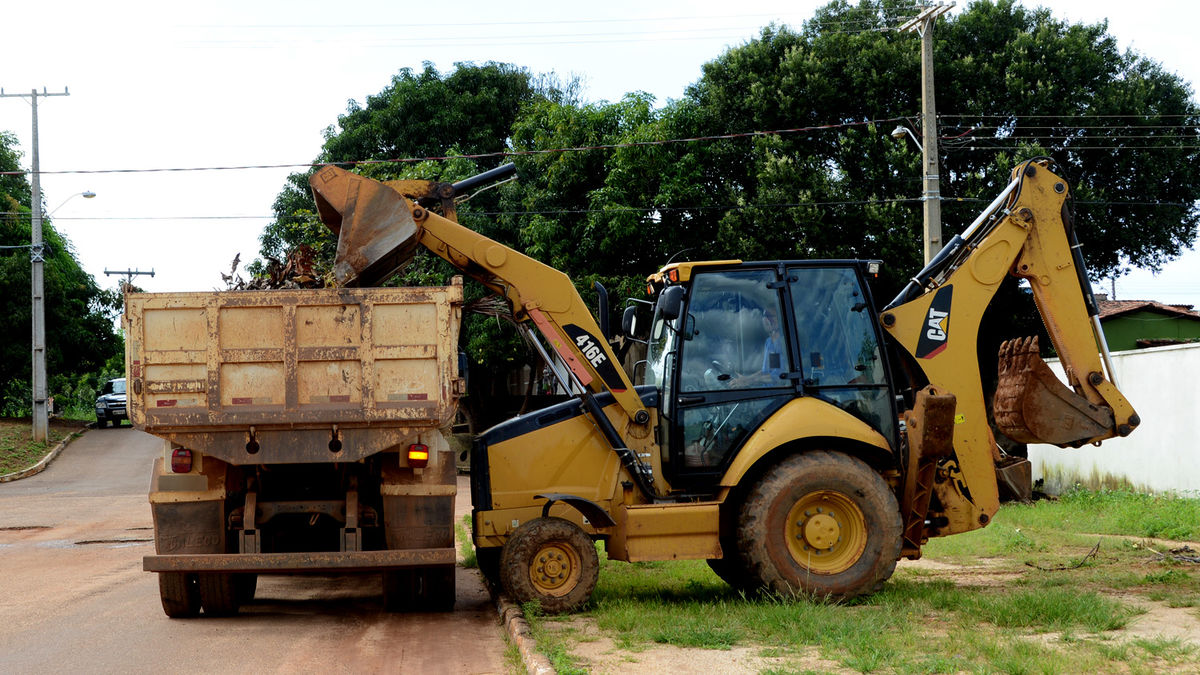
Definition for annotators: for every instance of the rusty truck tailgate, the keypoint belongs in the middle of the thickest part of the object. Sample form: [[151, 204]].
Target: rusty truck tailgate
[[304, 375]]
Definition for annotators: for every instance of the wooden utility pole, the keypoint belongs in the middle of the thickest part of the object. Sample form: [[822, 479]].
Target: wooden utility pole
[[41, 412], [932, 197]]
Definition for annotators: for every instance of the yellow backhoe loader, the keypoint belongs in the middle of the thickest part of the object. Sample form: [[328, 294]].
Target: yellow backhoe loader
[[789, 431]]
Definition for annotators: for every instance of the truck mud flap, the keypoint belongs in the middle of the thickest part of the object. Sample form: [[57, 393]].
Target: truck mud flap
[[267, 563]]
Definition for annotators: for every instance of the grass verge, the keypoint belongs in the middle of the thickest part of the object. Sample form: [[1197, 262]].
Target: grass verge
[[18, 451], [1024, 595]]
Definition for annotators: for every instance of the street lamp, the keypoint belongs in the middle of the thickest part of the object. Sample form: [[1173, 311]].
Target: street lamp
[[40, 410], [900, 130], [86, 194], [932, 196]]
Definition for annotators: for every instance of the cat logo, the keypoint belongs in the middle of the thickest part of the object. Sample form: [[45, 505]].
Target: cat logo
[[935, 332]]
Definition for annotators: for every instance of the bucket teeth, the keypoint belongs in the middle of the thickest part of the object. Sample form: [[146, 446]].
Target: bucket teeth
[[1033, 406]]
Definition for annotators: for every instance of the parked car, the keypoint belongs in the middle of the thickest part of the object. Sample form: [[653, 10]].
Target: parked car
[[110, 405]]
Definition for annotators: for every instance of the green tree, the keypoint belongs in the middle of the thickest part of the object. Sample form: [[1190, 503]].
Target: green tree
[[79, 314]]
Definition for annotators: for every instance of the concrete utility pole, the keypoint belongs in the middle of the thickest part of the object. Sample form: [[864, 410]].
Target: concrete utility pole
[[41, 417], [932, 197], [128, 274]]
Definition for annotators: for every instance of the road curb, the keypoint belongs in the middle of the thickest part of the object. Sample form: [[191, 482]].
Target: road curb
[[41, 466], [519, 633]]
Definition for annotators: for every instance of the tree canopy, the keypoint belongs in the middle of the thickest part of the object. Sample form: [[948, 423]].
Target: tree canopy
[[781, 148], [80, 339]]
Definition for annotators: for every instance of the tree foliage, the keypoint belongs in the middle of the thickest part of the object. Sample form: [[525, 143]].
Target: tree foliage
[[80, 338], [609, 191]]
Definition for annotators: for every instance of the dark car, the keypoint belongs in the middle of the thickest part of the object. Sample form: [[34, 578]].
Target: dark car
[[110, 406]]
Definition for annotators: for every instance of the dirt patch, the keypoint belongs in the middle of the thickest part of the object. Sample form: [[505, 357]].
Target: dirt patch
[[1160, 621], [985, 572], [600, 655]]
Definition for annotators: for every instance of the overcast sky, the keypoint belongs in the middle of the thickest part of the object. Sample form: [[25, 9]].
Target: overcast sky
[[156, 85]]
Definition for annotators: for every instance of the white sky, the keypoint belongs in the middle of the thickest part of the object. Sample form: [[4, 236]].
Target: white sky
[[169, 85]]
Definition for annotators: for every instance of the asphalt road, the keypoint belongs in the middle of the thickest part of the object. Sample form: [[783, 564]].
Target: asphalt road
[[74, 598]]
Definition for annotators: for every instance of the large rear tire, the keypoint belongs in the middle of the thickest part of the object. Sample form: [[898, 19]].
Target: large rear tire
[[219, 593], [821, 523], [421, 590], [179, 593], [552, 561]]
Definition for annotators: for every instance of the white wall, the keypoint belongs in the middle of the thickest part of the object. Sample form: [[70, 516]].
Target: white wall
[[1163, 454]]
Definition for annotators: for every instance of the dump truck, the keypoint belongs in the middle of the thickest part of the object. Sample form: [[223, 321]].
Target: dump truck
[[302, 433], [790, 430]]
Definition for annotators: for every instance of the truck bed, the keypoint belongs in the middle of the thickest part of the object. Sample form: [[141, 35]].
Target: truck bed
[[306, 375]]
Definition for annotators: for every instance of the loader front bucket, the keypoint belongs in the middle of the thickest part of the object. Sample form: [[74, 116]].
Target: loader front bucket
[[376, 232], [1033, 406]]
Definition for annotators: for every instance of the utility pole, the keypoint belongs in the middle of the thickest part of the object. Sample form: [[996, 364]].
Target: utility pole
[[932, 197], [128, 274], [41, 417]]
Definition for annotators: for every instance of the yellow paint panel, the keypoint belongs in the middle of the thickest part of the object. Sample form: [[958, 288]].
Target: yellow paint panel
[[404, 380], [250, 327], [252, 384], [666, 532], [328, 326], [400, 324], [320, 382], [175, 330]]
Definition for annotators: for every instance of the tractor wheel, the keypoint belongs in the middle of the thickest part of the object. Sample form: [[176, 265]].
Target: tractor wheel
[[219, 593], [179, 593], [823, 524], [552, 561]]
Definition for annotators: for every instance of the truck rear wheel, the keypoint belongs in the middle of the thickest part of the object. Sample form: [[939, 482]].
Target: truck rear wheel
[[219, 593], [821, 523], [179, 593], [421, 590], [552, 561]]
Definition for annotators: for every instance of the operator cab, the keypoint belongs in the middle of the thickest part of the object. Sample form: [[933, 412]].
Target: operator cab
[[731, 343]]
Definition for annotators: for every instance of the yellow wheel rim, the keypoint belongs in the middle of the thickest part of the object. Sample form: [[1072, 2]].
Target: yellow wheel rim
[[555, 569], [826, 532]]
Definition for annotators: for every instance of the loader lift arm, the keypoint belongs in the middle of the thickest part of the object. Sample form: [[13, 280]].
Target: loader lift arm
[[378, 229], [1026, 232]]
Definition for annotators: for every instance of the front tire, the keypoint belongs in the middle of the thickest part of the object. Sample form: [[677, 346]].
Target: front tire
[[552, 561], [821, 523]]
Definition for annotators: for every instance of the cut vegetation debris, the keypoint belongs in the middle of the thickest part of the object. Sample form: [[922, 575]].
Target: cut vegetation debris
[[1033, 593]]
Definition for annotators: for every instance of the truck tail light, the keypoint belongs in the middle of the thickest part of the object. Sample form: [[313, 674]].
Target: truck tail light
[[418, 456], [181, 460]]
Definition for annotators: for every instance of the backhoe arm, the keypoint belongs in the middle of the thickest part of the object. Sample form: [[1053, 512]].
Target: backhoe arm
[[1026, 232], [378, 229]]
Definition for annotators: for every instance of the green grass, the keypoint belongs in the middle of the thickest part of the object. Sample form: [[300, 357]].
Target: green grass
[[17, 449], [462, 532], [1043, 602]]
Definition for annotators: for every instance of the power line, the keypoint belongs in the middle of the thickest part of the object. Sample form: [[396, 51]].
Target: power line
[[485, 155]]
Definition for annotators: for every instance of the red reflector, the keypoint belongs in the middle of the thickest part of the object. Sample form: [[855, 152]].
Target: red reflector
[[418, 455], [673, 275], [181, 460]]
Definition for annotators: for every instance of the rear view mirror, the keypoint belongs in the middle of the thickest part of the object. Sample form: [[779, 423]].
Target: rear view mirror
[[629, 327], [670, 303]]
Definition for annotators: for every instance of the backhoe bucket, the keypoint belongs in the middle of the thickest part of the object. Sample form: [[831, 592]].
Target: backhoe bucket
[[373, 222], [1033, 406]]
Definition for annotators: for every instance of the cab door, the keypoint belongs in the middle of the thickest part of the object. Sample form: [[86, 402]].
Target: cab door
[[735, 368]]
